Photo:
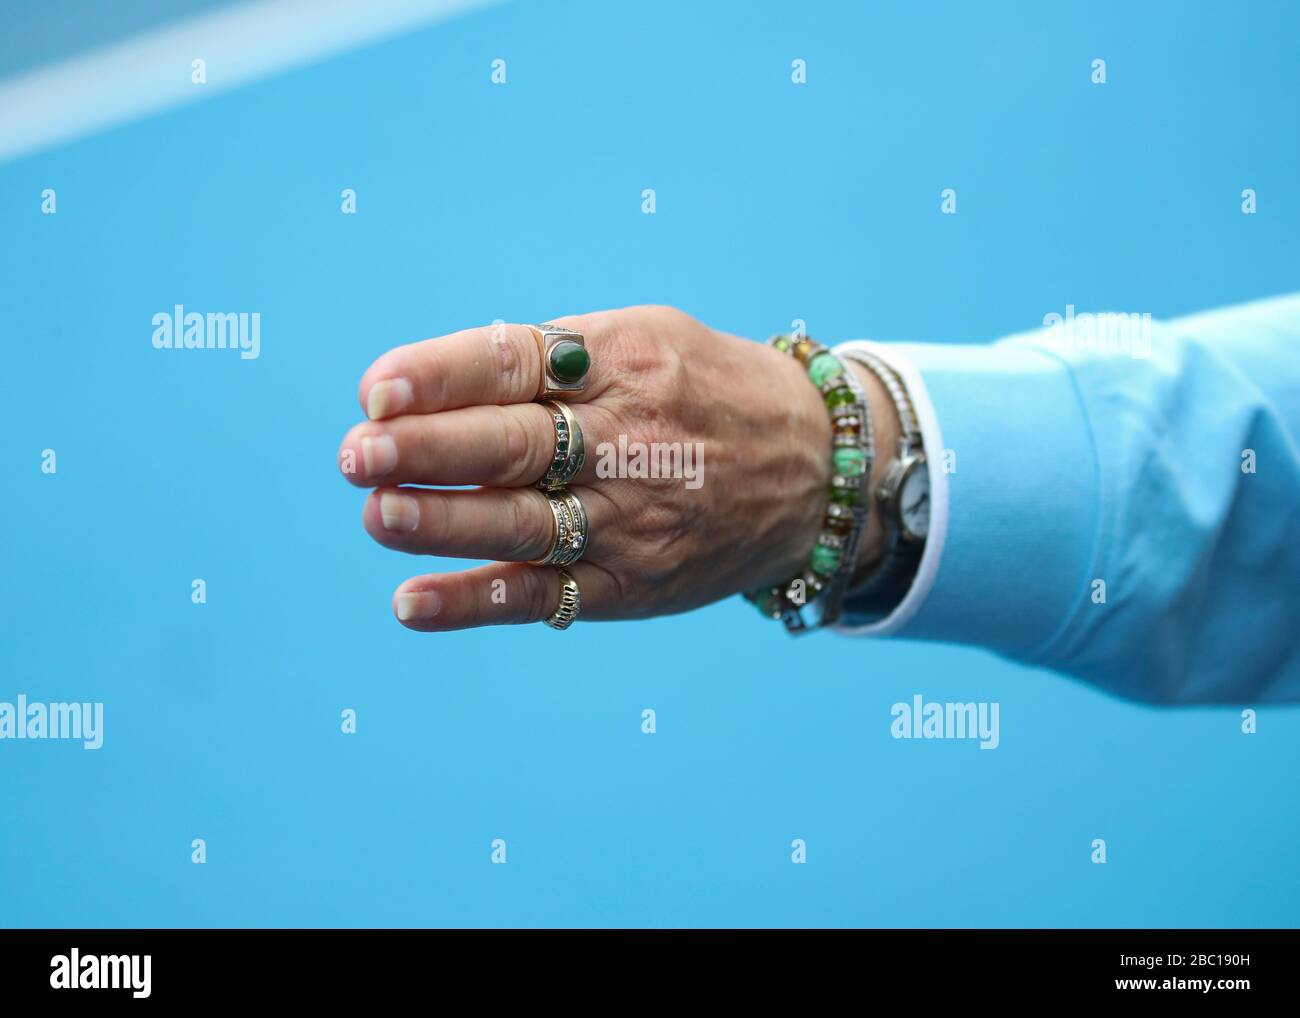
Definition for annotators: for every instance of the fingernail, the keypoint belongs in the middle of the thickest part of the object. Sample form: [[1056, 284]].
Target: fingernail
[[379, 454], [388, 397], [399, 512], [417, 606]]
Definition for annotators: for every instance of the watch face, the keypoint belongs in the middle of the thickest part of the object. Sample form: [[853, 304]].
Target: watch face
[[914, 501]]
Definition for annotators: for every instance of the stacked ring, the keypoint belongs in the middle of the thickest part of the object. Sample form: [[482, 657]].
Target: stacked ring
[[570, 603], [564, 366], [570, 451], [568, 530]]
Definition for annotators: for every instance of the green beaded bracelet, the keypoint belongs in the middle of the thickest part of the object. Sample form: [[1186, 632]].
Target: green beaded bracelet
[[820, 587]]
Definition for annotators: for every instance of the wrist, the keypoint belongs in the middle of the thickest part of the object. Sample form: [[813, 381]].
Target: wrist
[[848, 536]]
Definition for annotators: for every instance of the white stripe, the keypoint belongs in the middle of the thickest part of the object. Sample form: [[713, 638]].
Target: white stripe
[[151, 72]]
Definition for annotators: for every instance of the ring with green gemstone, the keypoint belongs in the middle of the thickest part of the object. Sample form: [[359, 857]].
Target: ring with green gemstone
[[570, 449], [565, 361]]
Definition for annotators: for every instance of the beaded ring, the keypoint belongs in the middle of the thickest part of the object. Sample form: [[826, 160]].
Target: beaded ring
[[830, 565]]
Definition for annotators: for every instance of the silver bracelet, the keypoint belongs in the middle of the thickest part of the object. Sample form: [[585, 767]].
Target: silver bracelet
[[906, 526]]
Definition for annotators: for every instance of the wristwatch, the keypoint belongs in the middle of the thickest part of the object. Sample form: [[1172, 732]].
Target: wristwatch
[[903, 501]]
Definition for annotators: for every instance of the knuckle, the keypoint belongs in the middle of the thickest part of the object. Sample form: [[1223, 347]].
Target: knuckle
[[660, 520], [520, 448], [654, 570], [667, 315], [536, 584], [524, 522], [664, 530], [436, 527], [512, 351], [440, 387]]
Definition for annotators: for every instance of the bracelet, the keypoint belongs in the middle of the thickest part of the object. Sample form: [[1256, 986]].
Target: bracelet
[[821, 585], [908, 427], [877, 594]]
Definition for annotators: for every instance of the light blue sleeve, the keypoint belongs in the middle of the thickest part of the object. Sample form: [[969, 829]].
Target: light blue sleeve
[[1130, 516]]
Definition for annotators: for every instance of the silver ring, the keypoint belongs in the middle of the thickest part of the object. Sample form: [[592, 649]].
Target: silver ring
[[570, 450], [570, 603], [568, 530]]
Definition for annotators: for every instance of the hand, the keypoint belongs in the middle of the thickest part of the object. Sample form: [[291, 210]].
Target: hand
[[458, 411]]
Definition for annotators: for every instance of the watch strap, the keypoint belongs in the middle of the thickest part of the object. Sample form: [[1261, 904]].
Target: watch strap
[[888, 584]]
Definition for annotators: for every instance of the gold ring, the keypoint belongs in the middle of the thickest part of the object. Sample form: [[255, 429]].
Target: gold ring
[[570, 603], [570, 450], [565, 360], [568, 530]]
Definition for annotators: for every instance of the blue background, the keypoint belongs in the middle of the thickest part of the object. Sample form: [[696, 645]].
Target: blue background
[[523, 201]]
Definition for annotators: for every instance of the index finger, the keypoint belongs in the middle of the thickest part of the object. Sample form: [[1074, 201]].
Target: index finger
[[494, 365]]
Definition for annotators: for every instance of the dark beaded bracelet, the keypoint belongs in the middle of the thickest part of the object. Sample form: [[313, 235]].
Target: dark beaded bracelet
[[813, 598]]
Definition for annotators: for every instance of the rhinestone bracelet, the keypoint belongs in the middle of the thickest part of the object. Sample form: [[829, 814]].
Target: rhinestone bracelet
[[820, 587]]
